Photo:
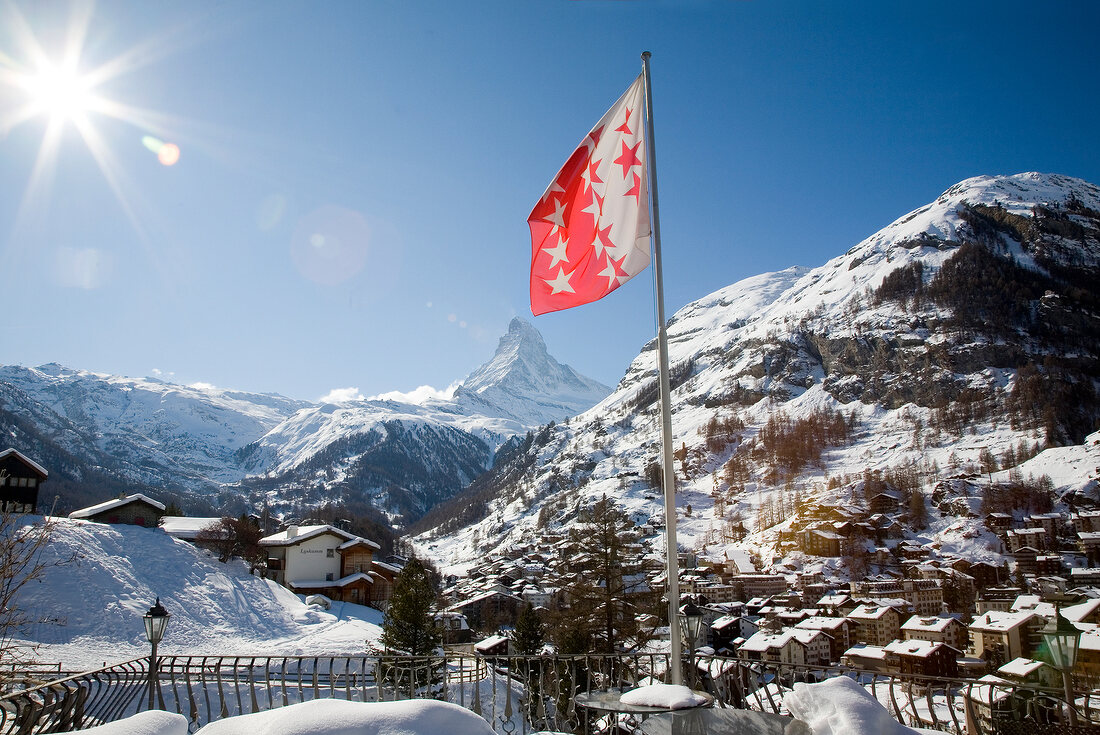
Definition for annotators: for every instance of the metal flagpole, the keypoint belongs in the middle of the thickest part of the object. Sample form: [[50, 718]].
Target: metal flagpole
[[669, 477]]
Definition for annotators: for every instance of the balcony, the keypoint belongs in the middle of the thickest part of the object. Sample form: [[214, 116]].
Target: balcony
[[514, 694]]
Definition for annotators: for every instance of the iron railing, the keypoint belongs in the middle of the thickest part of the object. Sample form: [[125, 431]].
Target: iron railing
[[516, 695]]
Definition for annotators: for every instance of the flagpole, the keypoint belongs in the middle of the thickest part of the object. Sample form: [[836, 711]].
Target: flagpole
[[669, 477]]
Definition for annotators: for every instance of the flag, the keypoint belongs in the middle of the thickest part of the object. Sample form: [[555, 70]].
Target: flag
[[590, 230]]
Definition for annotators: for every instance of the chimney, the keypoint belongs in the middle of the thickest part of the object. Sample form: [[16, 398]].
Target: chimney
[[291, 531]]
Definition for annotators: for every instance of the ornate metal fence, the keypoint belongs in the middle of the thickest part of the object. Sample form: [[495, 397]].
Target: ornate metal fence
[[515, 694]]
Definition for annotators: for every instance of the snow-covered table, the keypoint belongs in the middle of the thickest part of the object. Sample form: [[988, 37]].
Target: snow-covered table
[[609, 703]]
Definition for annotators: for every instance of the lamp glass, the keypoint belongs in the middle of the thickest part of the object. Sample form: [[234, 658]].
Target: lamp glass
[[691, 622], [156, 620], [1062, 638]]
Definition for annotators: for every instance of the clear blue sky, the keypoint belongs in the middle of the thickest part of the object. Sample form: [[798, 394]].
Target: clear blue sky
[[421, 133]]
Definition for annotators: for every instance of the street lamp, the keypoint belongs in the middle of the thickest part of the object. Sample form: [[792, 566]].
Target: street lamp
[[1062, 638], [156, 620], [691, 623]]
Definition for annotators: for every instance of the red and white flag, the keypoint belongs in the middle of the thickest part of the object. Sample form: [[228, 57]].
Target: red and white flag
[[590, 230]]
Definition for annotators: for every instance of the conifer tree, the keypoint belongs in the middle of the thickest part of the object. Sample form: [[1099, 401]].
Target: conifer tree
[[529, 634], [407, 625]]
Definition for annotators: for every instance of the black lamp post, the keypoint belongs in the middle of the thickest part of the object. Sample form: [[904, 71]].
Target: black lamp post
[[691, 623], [156, 620], [1062, 638]]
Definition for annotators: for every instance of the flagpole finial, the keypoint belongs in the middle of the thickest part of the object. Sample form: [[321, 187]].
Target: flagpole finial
[[646, 55]]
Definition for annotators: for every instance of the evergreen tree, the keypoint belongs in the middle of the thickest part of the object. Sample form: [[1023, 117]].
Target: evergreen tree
[[604, 584], [407, 625], [529, 634]]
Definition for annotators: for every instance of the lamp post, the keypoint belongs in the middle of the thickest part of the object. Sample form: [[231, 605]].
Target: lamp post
[[156, 620], [691, 623], [1062, 638]]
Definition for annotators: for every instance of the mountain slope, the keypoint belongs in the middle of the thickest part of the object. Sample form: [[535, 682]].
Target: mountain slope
[[963, 330]]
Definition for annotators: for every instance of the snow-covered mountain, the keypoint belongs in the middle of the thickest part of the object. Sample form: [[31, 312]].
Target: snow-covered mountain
[[205, 443], [525, 383], [963, 338]]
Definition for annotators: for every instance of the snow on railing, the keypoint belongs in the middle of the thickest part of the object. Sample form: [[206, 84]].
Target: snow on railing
[[515, 694]]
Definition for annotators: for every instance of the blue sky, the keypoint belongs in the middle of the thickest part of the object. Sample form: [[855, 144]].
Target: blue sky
[[419, 134]]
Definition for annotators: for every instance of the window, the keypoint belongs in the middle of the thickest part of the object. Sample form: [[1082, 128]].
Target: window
[[330, 553], [328, 577]]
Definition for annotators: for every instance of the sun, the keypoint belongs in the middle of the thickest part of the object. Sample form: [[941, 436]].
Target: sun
[[60, 92]]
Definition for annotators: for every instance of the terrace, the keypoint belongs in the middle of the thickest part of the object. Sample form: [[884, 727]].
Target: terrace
[[516, 695]]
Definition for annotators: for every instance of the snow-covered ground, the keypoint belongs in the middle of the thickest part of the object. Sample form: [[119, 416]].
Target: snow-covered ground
[[102, 579]]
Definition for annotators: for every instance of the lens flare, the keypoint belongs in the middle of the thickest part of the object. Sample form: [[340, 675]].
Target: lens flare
[[167, 153]]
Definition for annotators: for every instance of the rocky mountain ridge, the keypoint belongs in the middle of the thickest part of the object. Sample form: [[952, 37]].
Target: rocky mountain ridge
[[220, 449]]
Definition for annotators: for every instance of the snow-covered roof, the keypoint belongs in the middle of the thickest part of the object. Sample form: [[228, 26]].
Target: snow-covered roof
[[915, 648], [865, 651], [870, 612], [296, 534], [358, 540], [821, 622], [1021, 667], [489, 643], [995, 621], [30, 462], [116, 503], [185, 527], [928, 623]]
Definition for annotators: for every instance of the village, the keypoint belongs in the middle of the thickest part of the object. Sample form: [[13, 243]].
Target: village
[[921, 613]]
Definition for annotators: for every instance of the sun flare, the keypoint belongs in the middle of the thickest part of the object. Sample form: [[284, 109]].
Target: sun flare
[[60, 91]]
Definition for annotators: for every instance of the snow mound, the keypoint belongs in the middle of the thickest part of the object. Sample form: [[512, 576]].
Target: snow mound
[[333, 717], [839, 706]]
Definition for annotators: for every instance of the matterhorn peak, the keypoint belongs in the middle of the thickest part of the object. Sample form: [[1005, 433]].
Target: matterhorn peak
[[522, 381]]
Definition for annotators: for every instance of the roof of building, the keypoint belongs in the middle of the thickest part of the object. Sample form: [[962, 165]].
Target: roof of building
[[1021, 667], [292, 535], [933, 624], [185, 527], [870, 612], [865, 651], [491, 642], [915, 648], [30, 462], [995, 621], [116, 503]]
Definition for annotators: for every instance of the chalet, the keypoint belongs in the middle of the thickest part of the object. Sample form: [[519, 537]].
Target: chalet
[[329, 561], [925, 658], [999, 637], [20, 478], [1037, 538], [1086, 520], [773, 647], [137, 510], [490, 609], [1028, 672], [838, 630], [494, 645], [936, 630], [452, 627], [1089, 543], [819, 542], [876, 625], [985, 574]]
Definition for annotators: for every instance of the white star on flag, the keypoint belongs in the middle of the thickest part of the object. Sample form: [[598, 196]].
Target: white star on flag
[[597, 207]]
